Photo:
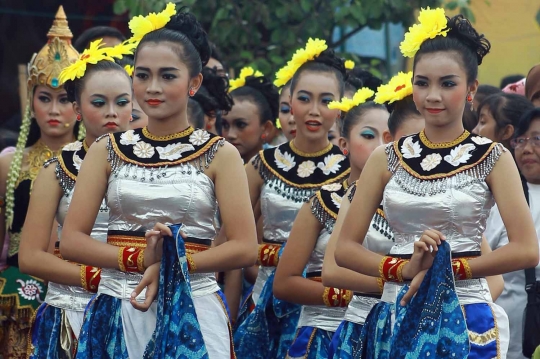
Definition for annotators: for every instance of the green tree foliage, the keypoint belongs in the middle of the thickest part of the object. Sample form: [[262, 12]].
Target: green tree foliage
[[265, 33]]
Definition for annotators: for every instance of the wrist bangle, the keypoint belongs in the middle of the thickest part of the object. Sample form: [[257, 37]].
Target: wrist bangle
[[461, 269], [128, 259], [268, 255], [380, 282], [391, 269], [140, 262], [192, 267], [90, 278], [334, 297]]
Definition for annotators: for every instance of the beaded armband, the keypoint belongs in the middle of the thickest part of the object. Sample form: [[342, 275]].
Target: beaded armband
[[90, 278], [268, 255], [391, 269], [131, 259], [334, 297], [461, 269]]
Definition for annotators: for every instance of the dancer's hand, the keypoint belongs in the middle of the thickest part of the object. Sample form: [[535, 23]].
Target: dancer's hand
[[150, 281], [154, 243], [413, 287], [425, 250]]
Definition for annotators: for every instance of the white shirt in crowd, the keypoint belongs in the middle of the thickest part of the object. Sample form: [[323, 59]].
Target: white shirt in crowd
[[514, 298]]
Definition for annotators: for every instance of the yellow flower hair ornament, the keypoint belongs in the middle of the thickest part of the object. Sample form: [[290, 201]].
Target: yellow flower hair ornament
[[118, 51], [314, 47], [142, 25], [92, 55], [349, 64], [278, 124], [399, 87], [432, 23], [346, 104], [241, 80], [129, 69]]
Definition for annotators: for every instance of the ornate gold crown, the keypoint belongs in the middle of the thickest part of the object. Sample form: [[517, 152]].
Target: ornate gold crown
[[57, 54]]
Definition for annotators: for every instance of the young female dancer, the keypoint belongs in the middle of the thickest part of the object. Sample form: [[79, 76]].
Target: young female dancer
[[285, 177], [102, 100], [324, 307], [250, 122], [166, 173], [443, 178], [48, 124]]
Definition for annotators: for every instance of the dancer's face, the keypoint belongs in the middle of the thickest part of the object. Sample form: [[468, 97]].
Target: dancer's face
[[53, 112]]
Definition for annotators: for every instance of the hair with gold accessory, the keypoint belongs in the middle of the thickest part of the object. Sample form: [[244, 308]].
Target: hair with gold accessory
[[241, 79], [431, 23], [346, 104], [43, 69], [349, 64], [314, 47], [399, 87]]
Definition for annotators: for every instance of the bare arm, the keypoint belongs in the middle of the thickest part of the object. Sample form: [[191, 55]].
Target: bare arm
[[240, 249], [336, 276], [495, 283], [522, 250], [34, 256], [289, 284], [76, 243], [368, 196]]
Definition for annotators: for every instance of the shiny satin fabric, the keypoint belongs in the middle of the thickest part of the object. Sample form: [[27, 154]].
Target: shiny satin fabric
[[181, 194], [278, 214]]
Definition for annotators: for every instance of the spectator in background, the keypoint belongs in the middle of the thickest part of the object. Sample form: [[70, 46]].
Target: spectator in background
[[510, 79], [110, 35], [483, 92], [532, 86]]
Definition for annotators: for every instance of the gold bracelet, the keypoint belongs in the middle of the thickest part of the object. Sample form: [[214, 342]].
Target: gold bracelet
[[467, 267], [121, 265], [192, 267], [325, 296], [400, 271], [82, 270], [140, 262]]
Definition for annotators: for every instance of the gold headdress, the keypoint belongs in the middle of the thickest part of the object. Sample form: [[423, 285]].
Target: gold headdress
[[314, 48], [43, 69], [241, 80], [346, 104], [399, 87]]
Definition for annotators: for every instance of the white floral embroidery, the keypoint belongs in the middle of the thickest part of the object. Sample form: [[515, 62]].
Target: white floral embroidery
[[143, 150], [284, 161], [129, 138], [460, 154], [481, 140], [410, 149], [30, 290], [331, 164], [174, 151], [199, 137], [336, 198], [74, 146], [77, 161], [332, 187], [431, 161], [306, 169]]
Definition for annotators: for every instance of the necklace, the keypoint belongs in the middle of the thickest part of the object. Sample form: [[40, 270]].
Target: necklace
[[37, 156]]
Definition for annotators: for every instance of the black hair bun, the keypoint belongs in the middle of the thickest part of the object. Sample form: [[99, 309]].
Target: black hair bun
[[71, 88], [268, 90], [215, 91], [354, 82], [329, 58], [187, 24], [461, 28], [368, 79]]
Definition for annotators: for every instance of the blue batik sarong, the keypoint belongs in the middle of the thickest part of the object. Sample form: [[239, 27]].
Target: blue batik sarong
[[310, 343]]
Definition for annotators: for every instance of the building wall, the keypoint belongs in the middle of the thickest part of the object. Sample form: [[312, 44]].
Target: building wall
[[511, 27]]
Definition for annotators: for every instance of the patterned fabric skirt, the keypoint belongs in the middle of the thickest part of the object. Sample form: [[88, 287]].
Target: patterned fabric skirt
[[269, 331], [310, 343], [346, 341], [52, 335], [20, 296]]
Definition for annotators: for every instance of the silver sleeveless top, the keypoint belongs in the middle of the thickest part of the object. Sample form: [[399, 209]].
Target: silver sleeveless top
[[60, 295], [456, 202], [139, 197]]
